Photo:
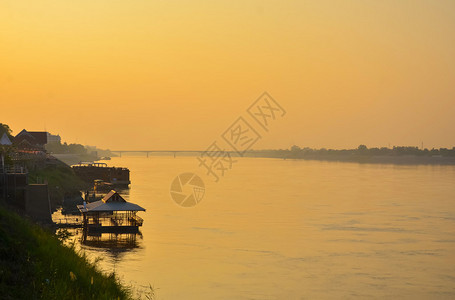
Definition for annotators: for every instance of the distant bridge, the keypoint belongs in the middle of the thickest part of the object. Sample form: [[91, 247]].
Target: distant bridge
[[171, 152]]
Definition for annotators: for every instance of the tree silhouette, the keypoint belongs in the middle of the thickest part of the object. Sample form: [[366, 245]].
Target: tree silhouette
[[4, 128]]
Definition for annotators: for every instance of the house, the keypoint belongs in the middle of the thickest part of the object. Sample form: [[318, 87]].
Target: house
[[52, 138], [4, 144], [111, 214], [30, 140]]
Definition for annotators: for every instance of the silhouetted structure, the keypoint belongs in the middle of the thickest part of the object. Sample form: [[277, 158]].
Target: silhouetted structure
[[111, 214], [93, 171], [31, 140]]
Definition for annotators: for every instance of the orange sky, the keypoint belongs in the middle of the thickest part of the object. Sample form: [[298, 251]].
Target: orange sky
[[144, 74]]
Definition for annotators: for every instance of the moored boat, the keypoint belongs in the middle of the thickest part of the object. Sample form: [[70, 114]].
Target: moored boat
[[100, 171]]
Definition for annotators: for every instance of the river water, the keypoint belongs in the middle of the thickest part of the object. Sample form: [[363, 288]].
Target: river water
[[291, 229]]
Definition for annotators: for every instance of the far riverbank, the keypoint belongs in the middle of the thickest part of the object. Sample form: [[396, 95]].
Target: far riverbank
[[395, 155], [396, 160]]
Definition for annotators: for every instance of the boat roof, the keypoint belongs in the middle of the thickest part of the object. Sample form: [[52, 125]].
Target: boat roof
[[90, 164], [111, 202]]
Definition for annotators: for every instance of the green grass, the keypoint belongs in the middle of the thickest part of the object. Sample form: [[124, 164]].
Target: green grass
[[61, 180], [34, 264]]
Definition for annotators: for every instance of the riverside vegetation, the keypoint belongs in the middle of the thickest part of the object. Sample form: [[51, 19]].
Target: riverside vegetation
[[363, 154], [34, 264], [34, 261]]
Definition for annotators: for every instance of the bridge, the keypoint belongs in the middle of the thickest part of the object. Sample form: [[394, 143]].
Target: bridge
[[171, 152]]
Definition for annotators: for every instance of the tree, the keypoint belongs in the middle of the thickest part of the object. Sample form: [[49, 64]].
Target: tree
[[59, 148], [4, 128], [362, 149], [295, 148]]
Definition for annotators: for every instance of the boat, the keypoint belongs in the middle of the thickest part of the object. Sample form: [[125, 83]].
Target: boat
[[90, 171]]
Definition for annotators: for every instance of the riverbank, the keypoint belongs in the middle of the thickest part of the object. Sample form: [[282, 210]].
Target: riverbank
[[396, 155], [61, 180], [34, 264], [394, 160]]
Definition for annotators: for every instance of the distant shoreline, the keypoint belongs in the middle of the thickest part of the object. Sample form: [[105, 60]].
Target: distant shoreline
[[364, 159], [367, 159], [395, 160]]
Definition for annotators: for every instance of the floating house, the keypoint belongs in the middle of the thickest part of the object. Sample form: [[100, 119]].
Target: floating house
[[111, 214]]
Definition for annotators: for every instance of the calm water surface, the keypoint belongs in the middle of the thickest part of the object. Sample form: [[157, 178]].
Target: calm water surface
[[292, 229]]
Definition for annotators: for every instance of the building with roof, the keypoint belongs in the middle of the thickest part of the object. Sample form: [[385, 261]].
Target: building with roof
[[30, 140], [52, 138], [111, 214]]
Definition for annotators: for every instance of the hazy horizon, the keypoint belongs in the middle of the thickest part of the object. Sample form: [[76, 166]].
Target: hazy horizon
[[175, 75]]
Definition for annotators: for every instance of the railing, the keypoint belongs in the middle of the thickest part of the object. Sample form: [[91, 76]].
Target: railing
[[116, 221], [137, 220], [68, 223], [28, 155], [13, 170]]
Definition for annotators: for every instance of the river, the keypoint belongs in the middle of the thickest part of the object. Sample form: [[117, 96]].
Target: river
[[291, 229]]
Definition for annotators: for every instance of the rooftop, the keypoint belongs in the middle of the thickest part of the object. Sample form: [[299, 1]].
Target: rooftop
[[111, 202]]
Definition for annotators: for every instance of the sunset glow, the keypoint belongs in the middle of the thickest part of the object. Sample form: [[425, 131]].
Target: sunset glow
[[175, 74]]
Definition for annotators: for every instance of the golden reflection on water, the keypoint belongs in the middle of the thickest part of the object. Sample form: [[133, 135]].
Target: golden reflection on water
[[290, 229]]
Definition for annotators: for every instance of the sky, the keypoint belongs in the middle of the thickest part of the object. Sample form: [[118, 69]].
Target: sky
[[159, 75]]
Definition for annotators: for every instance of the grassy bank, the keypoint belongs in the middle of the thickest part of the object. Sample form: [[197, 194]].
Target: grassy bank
[[35, 265], [61, 180]]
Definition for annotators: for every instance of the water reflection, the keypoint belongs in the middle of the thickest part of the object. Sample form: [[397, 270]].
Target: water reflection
[[115, 245], [125, 241]]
